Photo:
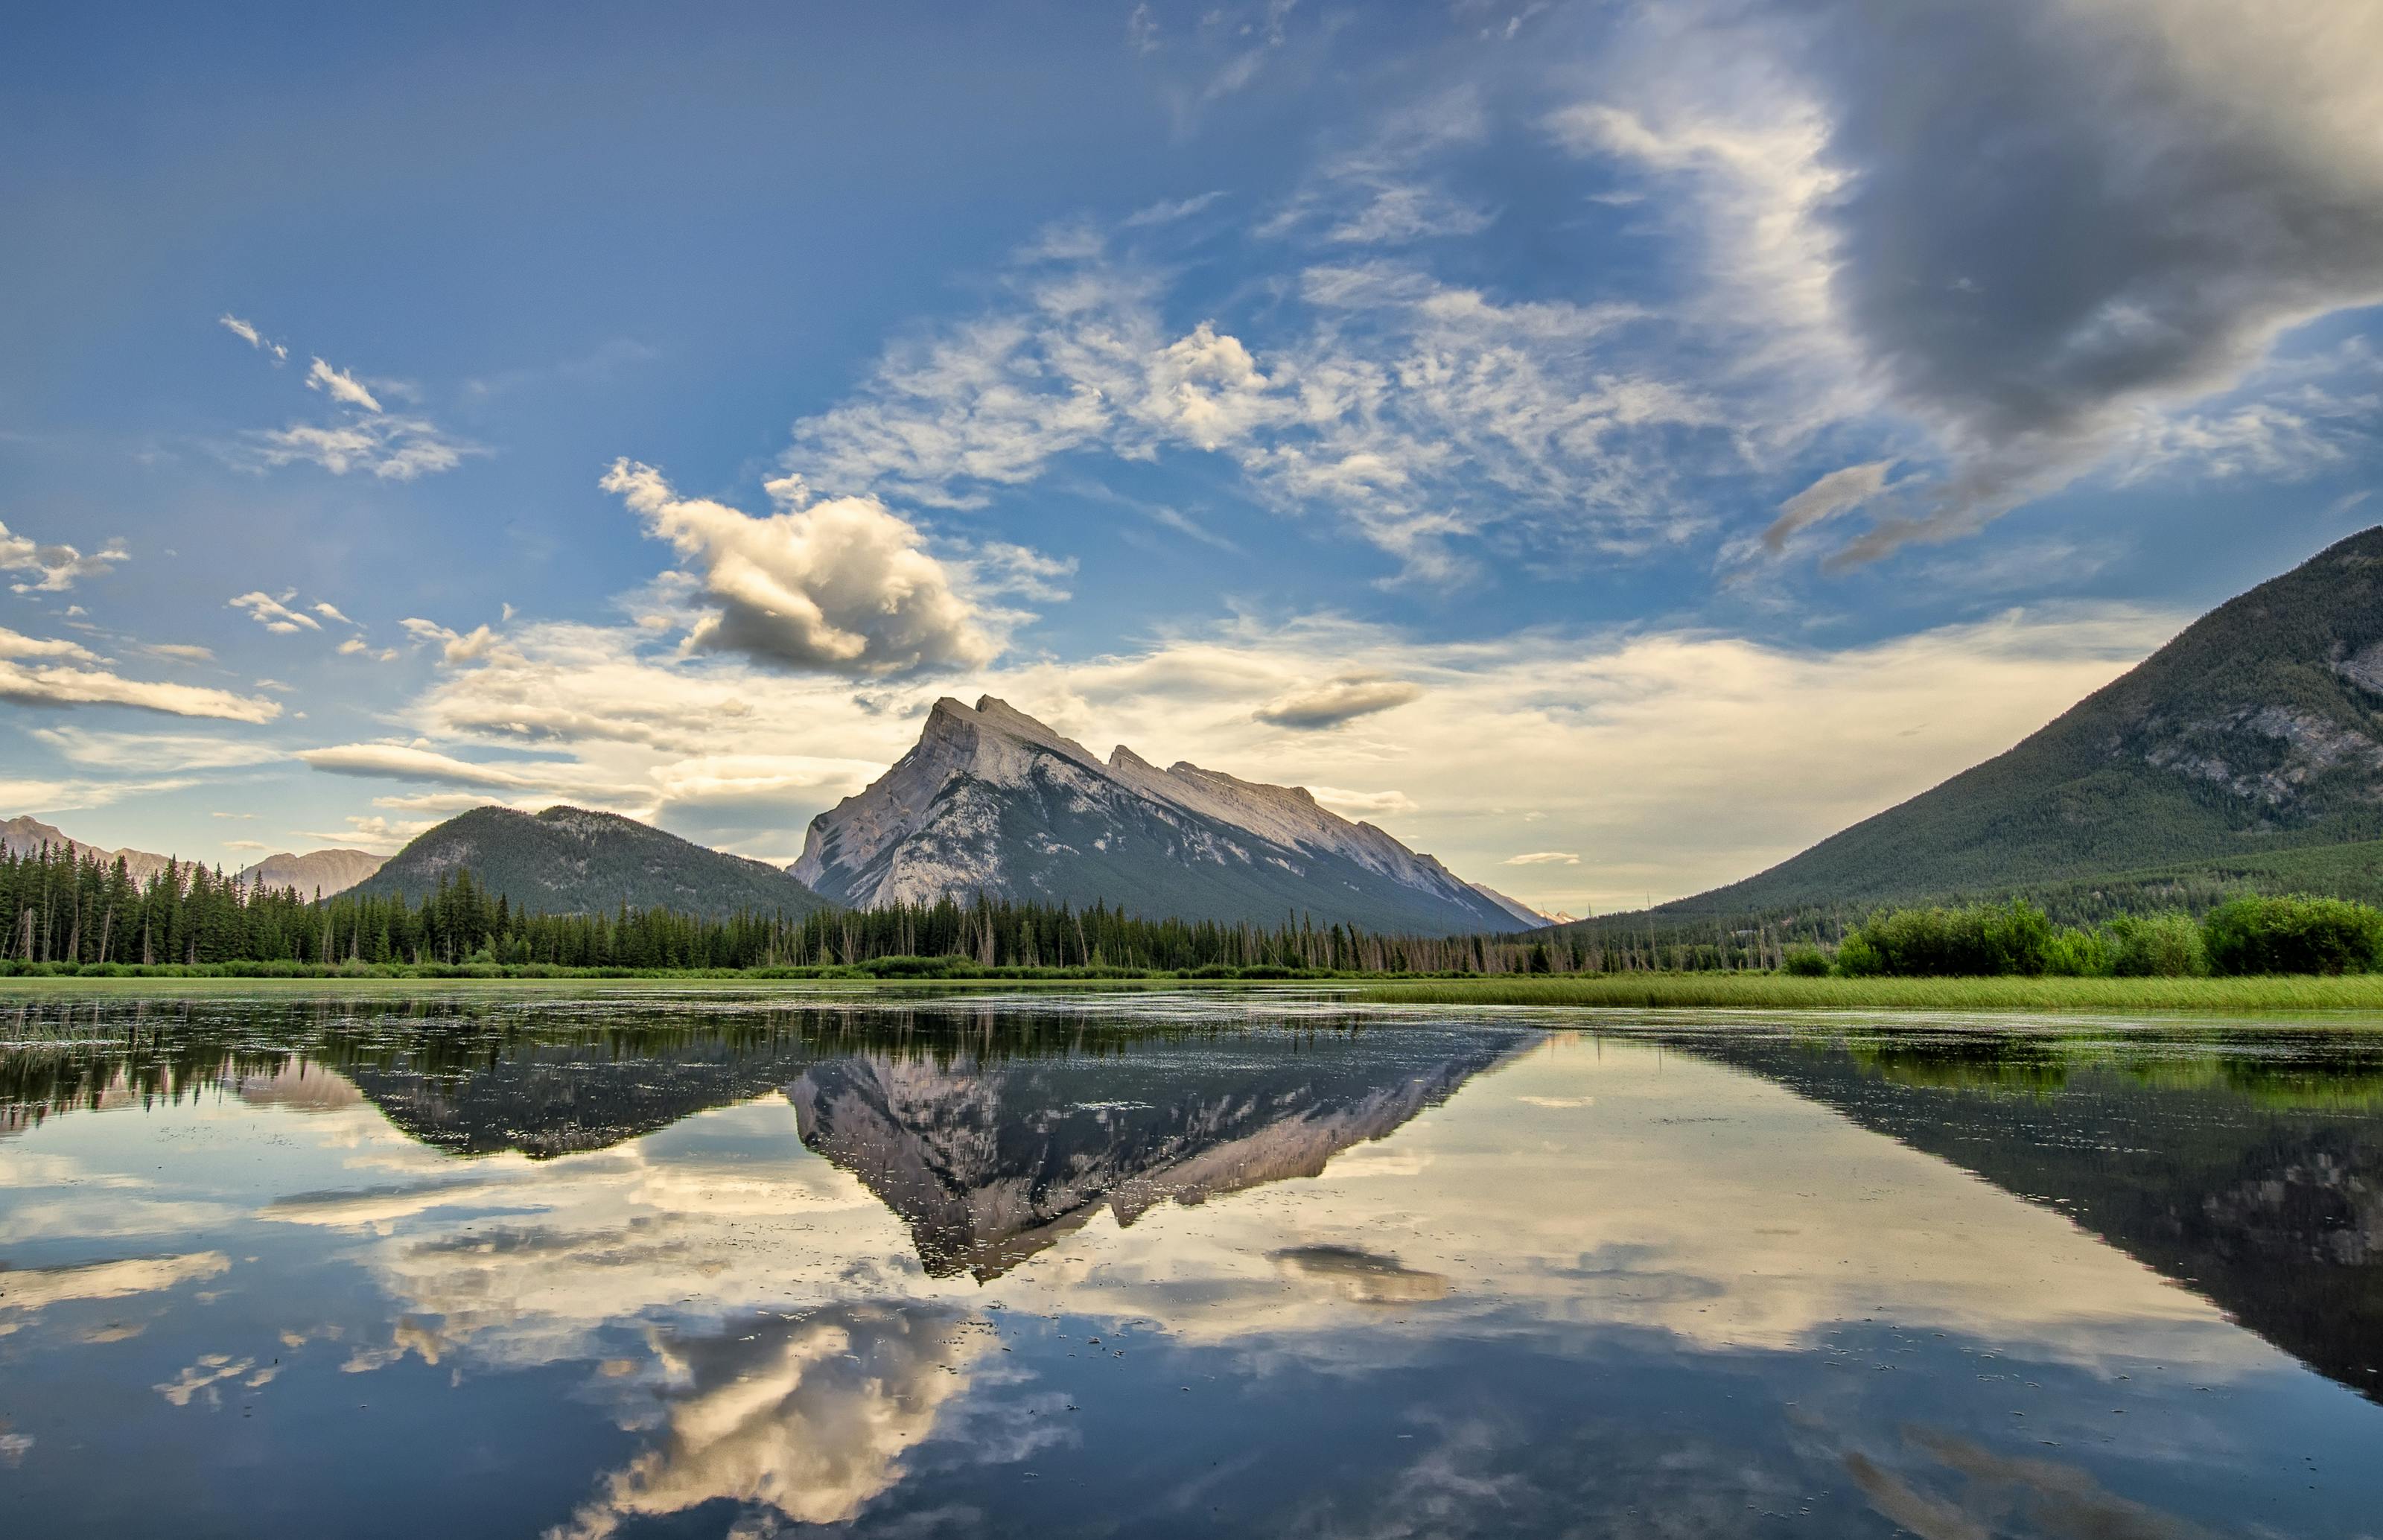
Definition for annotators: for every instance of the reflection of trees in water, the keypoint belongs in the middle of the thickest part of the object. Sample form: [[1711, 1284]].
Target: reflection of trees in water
[[2255, 1177], [519, 1072]]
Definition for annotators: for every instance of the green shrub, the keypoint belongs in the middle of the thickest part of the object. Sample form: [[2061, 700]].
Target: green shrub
[[1977, 942], [2157, 946], [1857, 959], [2293, 935], [2074, 953], [1804, 962]]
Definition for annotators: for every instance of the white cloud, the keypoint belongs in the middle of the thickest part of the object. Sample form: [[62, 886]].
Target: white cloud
[[26, 680], [1169, 212], [54, 568], [274, 614], [392, 449], [331, 611], [1542, 858], [1363, 805], [16, 645], [154, 752], [1422, 413], [246, 331], [841, 585], [339, 387], [180, 652], [454, 647]]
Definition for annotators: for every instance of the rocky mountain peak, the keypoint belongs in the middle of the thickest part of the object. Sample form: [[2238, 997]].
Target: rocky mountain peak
[[994, 800]]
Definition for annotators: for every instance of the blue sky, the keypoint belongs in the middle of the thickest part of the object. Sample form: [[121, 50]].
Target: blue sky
[[1611, 447]]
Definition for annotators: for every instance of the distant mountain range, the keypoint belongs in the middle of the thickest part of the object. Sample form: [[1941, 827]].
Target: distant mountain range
[[568, 860], [990, 800], [2249, 749], [22, 836], [317, 871]]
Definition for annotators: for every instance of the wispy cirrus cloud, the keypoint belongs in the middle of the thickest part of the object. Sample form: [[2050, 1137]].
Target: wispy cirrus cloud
[[1426, 415], [363, 438], [246, 331], [339, 386]]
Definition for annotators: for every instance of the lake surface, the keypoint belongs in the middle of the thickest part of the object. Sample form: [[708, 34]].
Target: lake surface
[[645, 1265]]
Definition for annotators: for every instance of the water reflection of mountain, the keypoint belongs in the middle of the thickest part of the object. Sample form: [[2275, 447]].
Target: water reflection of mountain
[[989, 1164], [2268, 1204]]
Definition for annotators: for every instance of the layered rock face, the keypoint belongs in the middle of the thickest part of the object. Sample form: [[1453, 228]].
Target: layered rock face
[[993, 801]]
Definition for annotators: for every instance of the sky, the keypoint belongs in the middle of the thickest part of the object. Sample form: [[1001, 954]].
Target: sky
[[1610, 446]]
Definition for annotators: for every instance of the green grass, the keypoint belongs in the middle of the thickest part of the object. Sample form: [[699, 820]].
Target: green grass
[[2362, 993]]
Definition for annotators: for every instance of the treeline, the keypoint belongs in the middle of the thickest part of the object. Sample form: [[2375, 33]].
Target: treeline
[[70, 910], [2246, 935]]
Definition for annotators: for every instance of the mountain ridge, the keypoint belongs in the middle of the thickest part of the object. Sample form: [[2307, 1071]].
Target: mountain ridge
[[2255, 734]]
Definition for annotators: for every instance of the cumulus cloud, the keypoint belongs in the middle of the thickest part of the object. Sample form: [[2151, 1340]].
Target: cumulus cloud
[[1339, 700], [2019, 225], [339, 387], [52, 569], [841, 585], [44, 671]]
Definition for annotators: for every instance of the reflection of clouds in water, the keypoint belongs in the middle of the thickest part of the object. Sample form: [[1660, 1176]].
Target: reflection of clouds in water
[[805, 1419], [1364, 1278], [301, 1086], [2055, 1498], [198, 1381], [27, 1290]]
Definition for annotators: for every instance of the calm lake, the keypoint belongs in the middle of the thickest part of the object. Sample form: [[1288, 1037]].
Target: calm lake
[[654, 1264]]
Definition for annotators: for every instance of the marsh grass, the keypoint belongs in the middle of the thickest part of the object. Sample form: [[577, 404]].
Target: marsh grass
[[1781, 992]]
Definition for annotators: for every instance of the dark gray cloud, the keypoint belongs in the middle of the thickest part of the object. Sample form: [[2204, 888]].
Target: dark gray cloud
[[2058, 213]]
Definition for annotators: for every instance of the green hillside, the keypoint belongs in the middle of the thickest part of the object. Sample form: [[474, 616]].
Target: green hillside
[[567, 860], [2246, 753]]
